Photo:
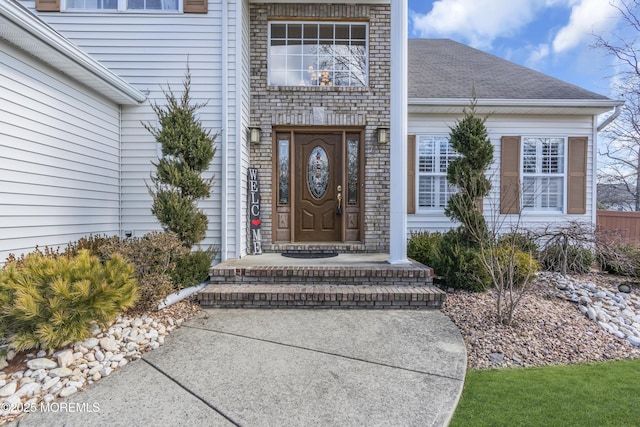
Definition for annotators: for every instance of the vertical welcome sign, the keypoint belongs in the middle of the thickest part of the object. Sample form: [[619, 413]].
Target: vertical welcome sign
[[254, 211]]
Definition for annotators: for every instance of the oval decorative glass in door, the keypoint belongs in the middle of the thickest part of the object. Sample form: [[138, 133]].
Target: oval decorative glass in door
[[318, 172]]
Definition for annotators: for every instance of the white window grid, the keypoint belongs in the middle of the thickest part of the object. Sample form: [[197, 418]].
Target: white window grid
[[543, 171], [122, 6], [310, 58], [434, 154]]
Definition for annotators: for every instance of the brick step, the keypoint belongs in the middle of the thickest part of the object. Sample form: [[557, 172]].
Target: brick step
[[320, 296], [412, 275]]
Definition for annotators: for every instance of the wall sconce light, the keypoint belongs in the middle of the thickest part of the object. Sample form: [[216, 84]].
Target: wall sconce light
[[254, 134], [383, 135]]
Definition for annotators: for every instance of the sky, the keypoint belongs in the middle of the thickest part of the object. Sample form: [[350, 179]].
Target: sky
[[551, 36]]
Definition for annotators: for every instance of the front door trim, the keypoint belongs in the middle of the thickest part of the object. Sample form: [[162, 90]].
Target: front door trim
[[284, 215]]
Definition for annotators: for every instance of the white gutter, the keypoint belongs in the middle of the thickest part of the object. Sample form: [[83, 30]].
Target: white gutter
[[224, 133], [598, 103], [611, 118], [67, 57]]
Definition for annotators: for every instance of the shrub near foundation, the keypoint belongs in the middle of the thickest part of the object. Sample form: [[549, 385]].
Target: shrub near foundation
[[154, 256], [49, 303]]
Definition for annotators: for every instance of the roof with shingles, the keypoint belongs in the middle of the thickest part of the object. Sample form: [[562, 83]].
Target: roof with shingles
[[443, 68]]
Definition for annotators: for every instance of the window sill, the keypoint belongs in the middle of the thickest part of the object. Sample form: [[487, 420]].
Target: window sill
[[359, 89]]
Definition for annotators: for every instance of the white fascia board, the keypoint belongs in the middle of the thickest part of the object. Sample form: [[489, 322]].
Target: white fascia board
[[514, 106], [22, 28]]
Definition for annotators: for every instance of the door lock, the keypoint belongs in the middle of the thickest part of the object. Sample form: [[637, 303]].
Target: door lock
[[339, 197]]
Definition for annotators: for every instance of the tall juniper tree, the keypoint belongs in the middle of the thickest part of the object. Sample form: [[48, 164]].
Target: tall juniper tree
[[187, 151], [470, 139]]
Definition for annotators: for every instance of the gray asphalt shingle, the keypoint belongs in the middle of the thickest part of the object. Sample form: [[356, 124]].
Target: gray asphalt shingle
[[443, 68]]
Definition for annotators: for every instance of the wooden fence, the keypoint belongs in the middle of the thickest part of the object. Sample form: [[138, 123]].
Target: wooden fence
[[626, 223]]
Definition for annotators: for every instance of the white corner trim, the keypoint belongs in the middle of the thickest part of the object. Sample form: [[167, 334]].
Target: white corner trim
[[16, 22]]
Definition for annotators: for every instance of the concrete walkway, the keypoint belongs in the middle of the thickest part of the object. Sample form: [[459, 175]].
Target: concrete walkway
[[284, 368]]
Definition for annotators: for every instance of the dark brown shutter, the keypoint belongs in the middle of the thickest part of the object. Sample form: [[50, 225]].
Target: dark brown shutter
[[48, 5], [510, 175], [577, 176], [411, 174], [196, 6]]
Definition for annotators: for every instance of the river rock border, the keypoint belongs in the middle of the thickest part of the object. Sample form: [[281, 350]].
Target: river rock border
[[48, 377], [616, 312]]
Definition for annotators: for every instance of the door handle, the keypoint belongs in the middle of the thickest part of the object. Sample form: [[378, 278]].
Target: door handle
[[339, 197]]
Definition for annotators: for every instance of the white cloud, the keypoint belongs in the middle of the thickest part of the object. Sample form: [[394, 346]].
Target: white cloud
[[587, 17], [537, 55], [478, 22]]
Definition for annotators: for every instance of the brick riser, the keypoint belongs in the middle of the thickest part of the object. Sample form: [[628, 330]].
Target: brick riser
[[321, 296], [416, 275], [388, 286]]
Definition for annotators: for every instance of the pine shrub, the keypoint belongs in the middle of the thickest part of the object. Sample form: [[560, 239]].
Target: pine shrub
[[49, 303], [192, 268], [423, 246], [458, 263], [187, 151]]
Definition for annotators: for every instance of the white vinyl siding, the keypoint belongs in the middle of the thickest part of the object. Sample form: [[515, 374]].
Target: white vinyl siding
[[59, 157], [151, 51], [499, 125]]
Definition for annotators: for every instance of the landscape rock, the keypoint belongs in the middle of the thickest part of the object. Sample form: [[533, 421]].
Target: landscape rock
[[68, 391], [41, 363], [90, 343], [9, 389], [65, 358], [60, 372], [108, 344]]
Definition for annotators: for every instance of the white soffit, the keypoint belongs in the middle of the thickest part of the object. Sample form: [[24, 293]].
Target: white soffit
[[21, 28]]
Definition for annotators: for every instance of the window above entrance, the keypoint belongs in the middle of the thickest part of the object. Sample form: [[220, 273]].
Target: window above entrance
[[318, 53]]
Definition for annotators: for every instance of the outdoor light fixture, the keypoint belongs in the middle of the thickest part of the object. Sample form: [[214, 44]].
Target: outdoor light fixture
[[254, 134], [383, 135]]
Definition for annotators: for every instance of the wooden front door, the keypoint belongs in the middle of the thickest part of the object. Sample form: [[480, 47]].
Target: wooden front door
[[318, 182]]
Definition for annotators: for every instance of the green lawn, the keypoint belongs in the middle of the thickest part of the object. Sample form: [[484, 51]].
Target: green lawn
[[601, 394]]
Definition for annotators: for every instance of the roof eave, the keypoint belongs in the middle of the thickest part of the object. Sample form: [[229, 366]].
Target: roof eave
[[514, 106], [69, 59]]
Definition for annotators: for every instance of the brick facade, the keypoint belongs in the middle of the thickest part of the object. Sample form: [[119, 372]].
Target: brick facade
[[365, 108]]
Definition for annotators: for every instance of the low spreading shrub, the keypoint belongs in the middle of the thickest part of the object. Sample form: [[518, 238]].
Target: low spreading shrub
[[458, 263], [423, 246], [515, 266], [192, 268], [49, 303], [154, 257], [569, 259], [526, 242]]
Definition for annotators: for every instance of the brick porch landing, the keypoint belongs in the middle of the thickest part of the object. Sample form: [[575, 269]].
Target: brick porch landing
[[345, 281]]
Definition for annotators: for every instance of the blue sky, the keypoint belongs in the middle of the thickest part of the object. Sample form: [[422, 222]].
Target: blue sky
[[551, 36]]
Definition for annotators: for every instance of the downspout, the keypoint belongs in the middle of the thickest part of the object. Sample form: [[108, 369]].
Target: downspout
[[594, 174], [120, 222], [594, 179], [224, 132], [607, 122]]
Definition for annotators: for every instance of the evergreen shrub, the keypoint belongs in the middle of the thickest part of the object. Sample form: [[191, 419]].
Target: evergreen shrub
[[154, 256], [192, 268], [49, 303], [459, 264], [423, 246]]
